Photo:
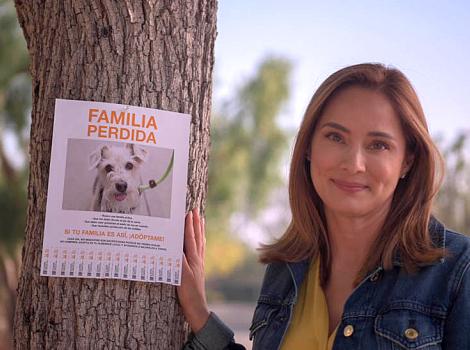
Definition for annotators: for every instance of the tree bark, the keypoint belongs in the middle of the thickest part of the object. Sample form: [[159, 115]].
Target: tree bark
[[151, 53], [8, 277]]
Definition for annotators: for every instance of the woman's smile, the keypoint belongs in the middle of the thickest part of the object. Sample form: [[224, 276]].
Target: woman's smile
[[348, 186]]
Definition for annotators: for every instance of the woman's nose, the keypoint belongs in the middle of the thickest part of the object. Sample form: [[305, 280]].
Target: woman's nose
[[354, 161]]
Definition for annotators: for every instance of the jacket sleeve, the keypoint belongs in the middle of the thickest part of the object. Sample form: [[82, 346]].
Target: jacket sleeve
[[457, 327], [215, 335]]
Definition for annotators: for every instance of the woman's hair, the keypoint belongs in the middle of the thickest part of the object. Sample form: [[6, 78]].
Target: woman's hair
[[405, 230]]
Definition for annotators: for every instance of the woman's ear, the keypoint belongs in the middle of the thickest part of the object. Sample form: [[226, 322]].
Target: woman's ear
[[407, 164]]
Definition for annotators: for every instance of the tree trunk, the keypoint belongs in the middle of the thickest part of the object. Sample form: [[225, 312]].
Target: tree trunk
[[151, 53], [8, 278]]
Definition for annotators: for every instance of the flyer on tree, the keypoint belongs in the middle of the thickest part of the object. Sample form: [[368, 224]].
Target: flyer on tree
[[117, 192]]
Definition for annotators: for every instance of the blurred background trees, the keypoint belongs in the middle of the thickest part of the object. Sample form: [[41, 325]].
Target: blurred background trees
[[249, 147], [453, 201], [15, 103]]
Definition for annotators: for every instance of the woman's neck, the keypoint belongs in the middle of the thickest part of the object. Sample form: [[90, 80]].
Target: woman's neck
[[351, 238]]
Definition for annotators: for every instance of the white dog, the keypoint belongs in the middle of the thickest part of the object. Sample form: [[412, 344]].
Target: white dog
[[116, 186]]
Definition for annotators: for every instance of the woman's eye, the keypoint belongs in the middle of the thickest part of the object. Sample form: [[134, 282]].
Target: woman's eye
[[129, 166], [379, 146], [108, 168], [334, 137]]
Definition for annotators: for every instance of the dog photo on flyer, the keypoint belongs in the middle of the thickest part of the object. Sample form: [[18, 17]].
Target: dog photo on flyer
[[118, 177]]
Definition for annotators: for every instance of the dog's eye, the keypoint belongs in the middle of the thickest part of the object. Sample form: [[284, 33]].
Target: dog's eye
[[129, 166], [108, 168]]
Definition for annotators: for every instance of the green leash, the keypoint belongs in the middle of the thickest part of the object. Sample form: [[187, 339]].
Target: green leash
[[153, 183]]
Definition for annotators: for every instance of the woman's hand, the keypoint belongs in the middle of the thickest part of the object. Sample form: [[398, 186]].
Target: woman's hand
[[191, 293]]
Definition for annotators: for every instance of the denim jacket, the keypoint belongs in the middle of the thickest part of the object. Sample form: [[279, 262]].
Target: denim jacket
[[388, 310]]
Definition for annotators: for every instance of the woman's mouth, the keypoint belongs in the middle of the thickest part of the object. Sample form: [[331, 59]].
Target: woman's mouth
[[351, 187], [120, 196]]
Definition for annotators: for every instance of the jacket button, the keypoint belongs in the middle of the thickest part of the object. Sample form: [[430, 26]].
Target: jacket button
[[411, 333], [348, 330]]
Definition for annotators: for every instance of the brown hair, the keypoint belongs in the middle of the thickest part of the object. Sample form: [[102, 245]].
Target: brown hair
[[405, 229]]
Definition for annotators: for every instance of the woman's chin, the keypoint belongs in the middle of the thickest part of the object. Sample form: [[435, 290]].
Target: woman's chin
[[350, 211], [352, 214], [357, 209]]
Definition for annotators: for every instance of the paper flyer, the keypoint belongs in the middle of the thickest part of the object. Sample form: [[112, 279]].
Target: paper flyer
[[117, 193]]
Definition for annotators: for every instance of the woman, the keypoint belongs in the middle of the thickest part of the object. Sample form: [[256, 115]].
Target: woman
[[363, 264]]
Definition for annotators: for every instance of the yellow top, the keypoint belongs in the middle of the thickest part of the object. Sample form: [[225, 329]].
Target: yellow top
[[309, 323]]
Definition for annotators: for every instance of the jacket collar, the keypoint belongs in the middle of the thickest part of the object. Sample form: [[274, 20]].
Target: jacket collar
[[437, 232], [298, 271]]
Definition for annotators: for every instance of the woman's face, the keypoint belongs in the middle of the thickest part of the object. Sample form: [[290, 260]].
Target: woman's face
[[358, 153]]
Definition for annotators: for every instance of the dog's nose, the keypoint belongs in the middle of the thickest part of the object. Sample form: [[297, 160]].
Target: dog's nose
[[121, 187]]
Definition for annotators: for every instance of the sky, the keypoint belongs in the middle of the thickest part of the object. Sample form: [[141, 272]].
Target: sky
[[428, 40]]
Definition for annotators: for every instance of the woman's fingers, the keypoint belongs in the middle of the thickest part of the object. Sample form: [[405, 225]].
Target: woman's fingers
[[190, 247], [198, 231], [186, 268], [191, 292], [203, 245], [194, 236]]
